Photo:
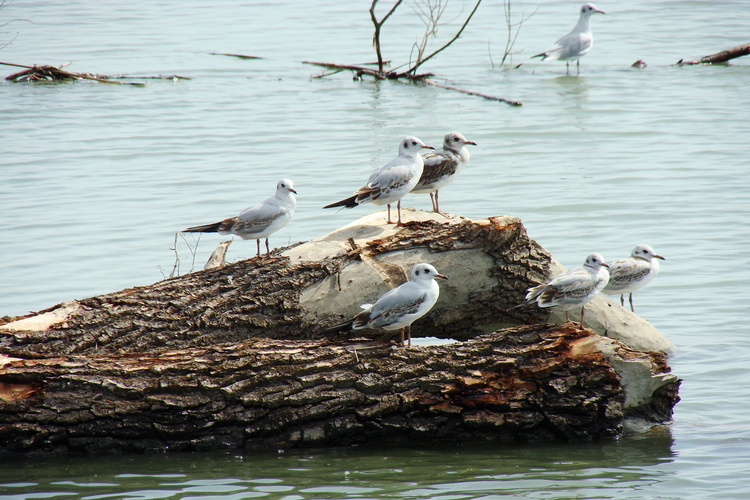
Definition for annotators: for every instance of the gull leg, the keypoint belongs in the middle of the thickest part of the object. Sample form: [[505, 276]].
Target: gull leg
[[389, 214], [567, 318], [582, 312], [402, 335], [632, 308], [398, 206], [567, 68], [578, 67], [432, 199], [437, 203], [622, 300], [408, 334], [258, 245], [268, 250]]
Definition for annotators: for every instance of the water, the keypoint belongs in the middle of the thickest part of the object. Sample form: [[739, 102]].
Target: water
[[97, 178]]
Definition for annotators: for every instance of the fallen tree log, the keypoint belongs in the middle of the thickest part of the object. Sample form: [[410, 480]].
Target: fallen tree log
[[719, 57], [234, 356], [529, 383]]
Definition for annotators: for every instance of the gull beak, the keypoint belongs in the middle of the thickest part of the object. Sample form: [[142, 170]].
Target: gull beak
[[471, 142], [659, 257], [427, 147], [293, 190], [441, 276], [599, 11], [605, 264]]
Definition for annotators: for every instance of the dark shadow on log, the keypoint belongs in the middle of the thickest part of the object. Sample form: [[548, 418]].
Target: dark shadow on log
[[719, 57]]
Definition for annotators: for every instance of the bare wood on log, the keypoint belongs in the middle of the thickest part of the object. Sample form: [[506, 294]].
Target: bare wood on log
[[530, 383], [720, 57]]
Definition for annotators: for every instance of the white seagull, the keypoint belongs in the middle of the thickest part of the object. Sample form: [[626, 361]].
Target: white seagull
[[400, 307], [575, 44], [392, 181], [633, 273], [442, 165], [260, 220], [573, 288]]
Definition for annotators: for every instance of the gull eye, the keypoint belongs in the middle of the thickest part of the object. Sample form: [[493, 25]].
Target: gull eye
[[413, 143], [416, 272], [406, 144]]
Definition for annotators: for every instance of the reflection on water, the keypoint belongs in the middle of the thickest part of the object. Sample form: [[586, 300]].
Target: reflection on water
[[624, 469]]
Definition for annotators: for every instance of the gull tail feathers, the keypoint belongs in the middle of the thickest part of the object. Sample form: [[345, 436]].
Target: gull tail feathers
[[531, 298], [344, 327], [205, 228], [350, 202]]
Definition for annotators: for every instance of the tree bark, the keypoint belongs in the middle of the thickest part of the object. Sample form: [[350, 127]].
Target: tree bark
[[529, 383], [235, 357], [720, 57], [263, 298]]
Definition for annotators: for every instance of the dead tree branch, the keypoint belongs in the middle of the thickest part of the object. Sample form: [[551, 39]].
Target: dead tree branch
[[719, 57], [469, 92], [51, 73], [378, 25]]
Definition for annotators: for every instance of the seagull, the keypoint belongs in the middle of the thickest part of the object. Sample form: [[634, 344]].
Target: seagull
[[442, 165], [575, 44], [392, 181], [400, 307], [571, 289], [633, 273], [260, 220]]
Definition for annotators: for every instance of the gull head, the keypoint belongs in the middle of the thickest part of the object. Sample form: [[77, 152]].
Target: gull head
[[284, 187], [645, 252], [454, 140], [409, 146], [425, 272], [589, 9], [595, 261]]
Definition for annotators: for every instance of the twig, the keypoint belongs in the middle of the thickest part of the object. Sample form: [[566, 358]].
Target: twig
[[240, 56], [469, 92], [511, 39], [157, 77], [455, 37]]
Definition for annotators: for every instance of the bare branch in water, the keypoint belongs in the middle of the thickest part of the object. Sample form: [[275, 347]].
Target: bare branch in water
[[719, 57], [378, 25]]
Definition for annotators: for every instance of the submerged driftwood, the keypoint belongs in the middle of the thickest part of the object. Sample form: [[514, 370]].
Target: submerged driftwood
[[719, 57], [234, 356]]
